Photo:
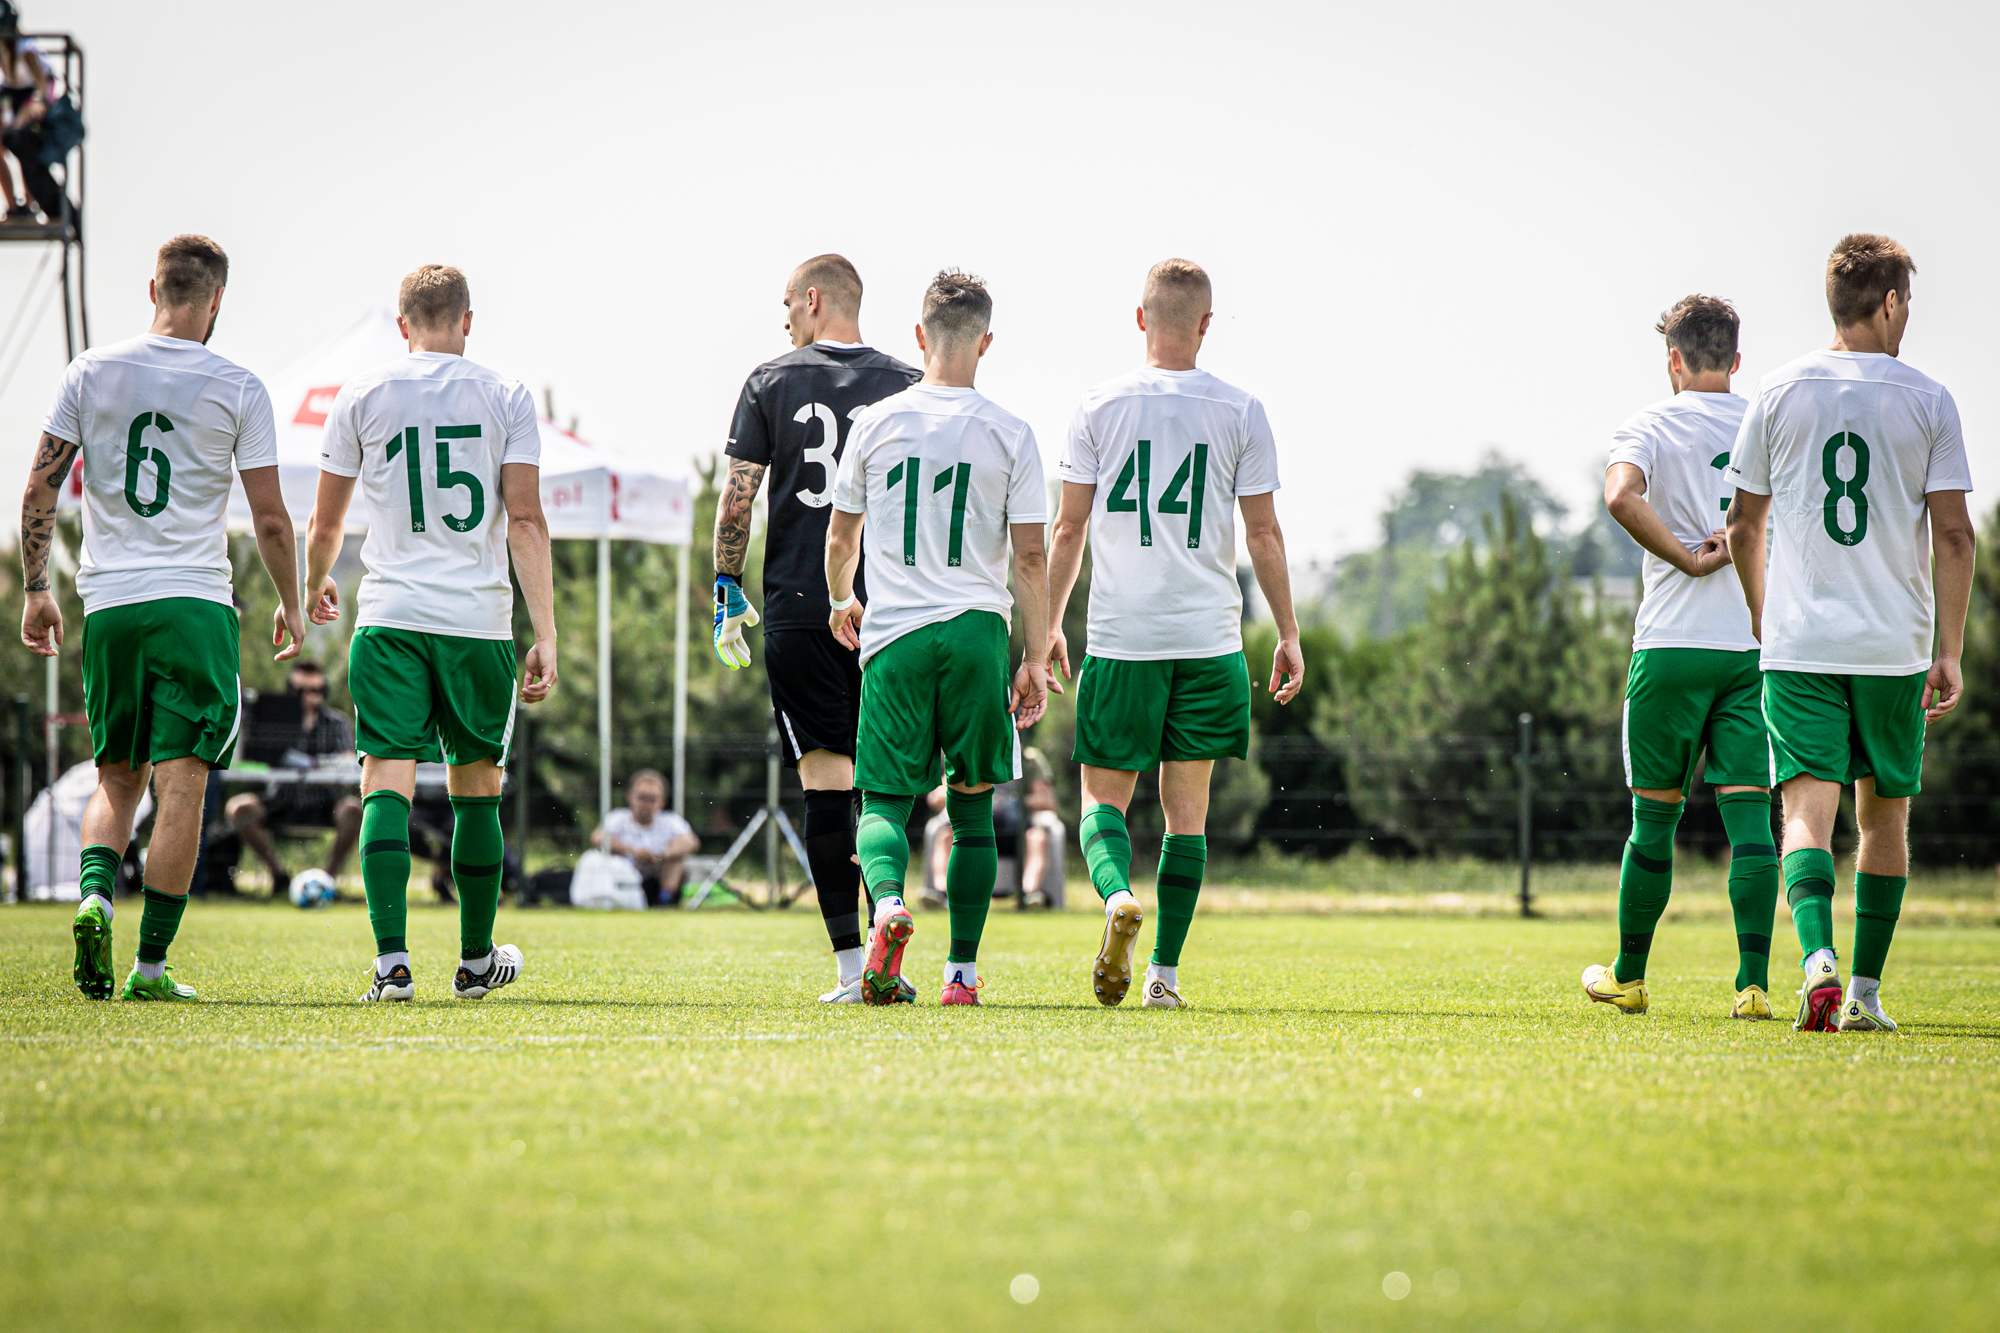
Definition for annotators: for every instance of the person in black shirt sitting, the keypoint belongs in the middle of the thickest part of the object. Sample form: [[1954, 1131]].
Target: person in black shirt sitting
[[299, 731]]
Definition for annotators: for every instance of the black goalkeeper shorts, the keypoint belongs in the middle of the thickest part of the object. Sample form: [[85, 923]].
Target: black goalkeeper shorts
[[815, 691]]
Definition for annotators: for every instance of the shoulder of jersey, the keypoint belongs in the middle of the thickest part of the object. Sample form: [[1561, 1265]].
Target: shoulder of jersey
[[813, 355], [206, 359], [1142, 380], [1819, 365], [1681, 405]]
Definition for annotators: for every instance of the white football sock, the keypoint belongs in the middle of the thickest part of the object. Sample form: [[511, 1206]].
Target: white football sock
[[386, 961], [478, 967], [101, 901], [150, 971], [1813, 960], [848, 961], [1865, 989], [885, 904], [1117, 899], [1161, 972], [965, 974]]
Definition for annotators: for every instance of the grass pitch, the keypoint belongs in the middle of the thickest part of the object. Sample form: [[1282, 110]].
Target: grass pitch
[[1365, 1123]]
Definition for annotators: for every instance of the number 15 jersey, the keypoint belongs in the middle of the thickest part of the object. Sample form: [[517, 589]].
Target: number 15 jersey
[[428, 435], [1847, 445], [1170, 452]]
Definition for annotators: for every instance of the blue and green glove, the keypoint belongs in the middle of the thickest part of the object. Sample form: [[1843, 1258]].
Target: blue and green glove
[[733, 615]]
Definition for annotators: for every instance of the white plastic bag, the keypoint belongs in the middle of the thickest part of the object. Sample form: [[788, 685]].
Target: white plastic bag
[[606, 882]]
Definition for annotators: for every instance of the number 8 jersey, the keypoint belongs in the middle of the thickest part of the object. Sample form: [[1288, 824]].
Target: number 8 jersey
[[1169, 451], [1847, 445], [427, 435], [158, 421]]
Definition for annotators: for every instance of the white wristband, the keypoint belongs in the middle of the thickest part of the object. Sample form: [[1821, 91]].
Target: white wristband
[[843, 603]]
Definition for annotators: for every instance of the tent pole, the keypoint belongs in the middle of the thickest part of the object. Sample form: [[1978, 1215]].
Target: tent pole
[[686, 553], [603, 675]]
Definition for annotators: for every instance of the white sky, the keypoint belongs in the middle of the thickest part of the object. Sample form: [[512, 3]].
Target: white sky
[[1433, 228]]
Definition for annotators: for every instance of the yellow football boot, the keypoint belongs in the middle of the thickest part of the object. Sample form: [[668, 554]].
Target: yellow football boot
[[1603, 986], [1751, 1002]]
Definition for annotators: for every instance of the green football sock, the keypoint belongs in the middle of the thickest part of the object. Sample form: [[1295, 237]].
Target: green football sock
[[1878, 901], [968, 879], [882, 841], [99, 874], [1183, 856], [1644, 883], [1753, 882], [158, 923], [1809, 890], [478, 855], [385, 867], [1107, 849]]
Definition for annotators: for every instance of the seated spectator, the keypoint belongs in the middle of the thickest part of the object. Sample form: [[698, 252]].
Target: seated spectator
[[1042, 846], [653, 838], [320, 736], [27, 88]]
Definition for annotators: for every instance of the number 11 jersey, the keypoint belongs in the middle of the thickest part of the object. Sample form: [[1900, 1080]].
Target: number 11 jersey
[[427, 436], [1170, 452]]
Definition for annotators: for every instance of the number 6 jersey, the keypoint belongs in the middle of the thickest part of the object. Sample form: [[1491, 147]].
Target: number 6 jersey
[[1847, 445], [1169, 451], [428, 435], [158, 421], [793, 418]]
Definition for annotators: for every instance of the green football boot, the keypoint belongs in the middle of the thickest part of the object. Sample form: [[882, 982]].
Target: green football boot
[[95, 975], [164, 987]]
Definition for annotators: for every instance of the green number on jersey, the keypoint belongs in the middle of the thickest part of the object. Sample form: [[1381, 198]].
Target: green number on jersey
[[1838, 490], [1191, 480], [137, 452], [960, 480], [405, 443], [905, 474], [1720, 462]]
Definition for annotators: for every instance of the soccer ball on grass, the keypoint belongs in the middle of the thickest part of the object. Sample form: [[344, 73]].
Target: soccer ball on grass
[[312, 888]]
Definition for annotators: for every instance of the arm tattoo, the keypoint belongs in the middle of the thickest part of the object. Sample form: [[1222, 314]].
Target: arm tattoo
[[732, 516], [53, 461]]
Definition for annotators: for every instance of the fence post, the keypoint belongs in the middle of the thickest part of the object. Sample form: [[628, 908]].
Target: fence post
[[1526, 760], [24, 789]]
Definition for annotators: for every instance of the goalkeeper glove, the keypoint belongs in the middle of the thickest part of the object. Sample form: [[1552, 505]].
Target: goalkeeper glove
[[733, 615]]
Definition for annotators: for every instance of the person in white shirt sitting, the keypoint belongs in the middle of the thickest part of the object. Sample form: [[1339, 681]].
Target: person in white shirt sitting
[[653, 838]]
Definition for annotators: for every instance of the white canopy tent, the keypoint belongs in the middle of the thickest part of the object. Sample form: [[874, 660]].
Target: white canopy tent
[[587, 492]]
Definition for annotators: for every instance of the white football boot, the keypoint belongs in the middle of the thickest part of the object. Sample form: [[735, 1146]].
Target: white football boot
[[397, 984], [1160, 995], [504, 970]]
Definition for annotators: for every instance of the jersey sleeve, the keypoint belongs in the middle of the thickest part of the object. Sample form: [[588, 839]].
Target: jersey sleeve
[[1257, 465], [1027, 493], [340, 446], [1750, 461], [524, 429], [65, 419], [850, 485], [1079, 456], [256, 432], [1632, 443], [1948, 470], [749, 436]]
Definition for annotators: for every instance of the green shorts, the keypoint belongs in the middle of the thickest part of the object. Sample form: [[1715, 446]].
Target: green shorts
[[1839, 728], [417, 694], [1682, 701], [940, 688], [162, 680], [1132, 715]]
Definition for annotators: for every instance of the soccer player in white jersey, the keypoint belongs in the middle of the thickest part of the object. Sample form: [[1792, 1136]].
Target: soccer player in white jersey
[[1156, 464], [1861, 463], [938, 481], [449, 457], [158, 421], [1693, 687]]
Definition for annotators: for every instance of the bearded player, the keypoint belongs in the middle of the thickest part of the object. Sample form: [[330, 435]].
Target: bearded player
[[791, 424]]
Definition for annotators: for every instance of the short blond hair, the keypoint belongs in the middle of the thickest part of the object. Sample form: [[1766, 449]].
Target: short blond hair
[[1861, 272], [1177, 292], [191, 269], [435, 296]]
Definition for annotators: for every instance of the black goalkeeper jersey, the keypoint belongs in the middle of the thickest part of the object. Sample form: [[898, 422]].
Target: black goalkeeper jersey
[[793, 419]]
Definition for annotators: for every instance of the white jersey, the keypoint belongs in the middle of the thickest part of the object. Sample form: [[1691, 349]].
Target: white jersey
[[1682, 445], [158, 421], [1170, 452], [428, 435], [940, 473], [1847, 445]]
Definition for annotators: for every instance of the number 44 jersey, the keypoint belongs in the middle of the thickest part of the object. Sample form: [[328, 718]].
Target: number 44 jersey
[[158, 421], [1170, 452], [427, 435], [793, 418], [1847, 445]]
